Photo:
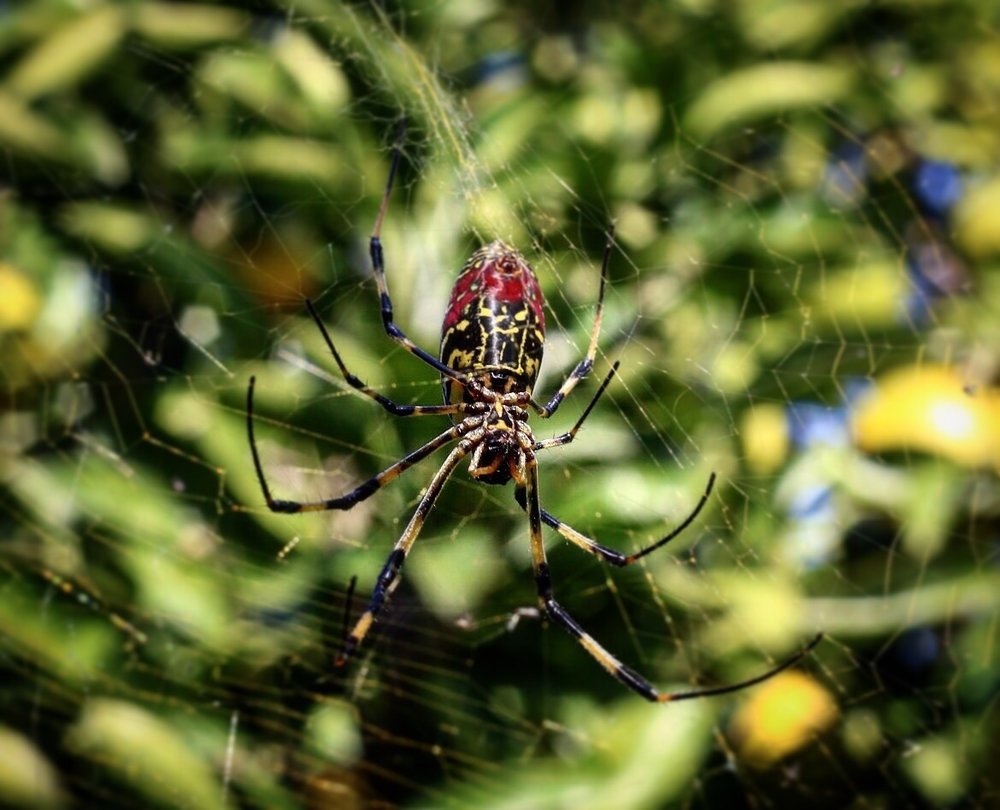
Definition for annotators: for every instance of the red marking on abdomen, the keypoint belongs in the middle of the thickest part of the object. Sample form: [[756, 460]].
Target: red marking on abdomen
[[494, 272]]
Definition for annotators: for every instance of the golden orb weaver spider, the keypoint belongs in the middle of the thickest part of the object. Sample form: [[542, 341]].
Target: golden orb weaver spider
[[491, 350]]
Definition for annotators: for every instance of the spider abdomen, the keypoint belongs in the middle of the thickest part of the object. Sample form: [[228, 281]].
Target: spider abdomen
[[494, 327]]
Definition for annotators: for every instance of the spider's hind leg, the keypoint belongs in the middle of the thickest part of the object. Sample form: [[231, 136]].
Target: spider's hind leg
[[358, 384], [583, 368], [378, 268]]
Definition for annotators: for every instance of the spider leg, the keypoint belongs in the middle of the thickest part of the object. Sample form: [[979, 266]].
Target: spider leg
[[587, 363], [625, 675], [385, 402], [388, 579], [567, 437], [610, 555], [555, 611], [359, 493], [378, 267]]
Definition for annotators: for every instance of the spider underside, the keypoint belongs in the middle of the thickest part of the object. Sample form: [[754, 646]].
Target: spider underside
[[491, 350]]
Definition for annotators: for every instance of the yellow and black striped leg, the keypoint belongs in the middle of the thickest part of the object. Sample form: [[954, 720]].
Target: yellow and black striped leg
[[567, 437], [587, 363], [360, 492], [388, 579], [378, 267], [610, 555], [385, 402], [625, 675], [555, 611]]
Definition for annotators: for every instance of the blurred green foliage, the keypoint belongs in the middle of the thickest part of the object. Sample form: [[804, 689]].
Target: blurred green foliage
[[178, 177]]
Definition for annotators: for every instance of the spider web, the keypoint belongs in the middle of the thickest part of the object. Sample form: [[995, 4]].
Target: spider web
[[801, 301]]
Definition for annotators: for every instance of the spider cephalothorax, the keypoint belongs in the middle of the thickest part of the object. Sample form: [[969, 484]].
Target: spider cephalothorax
[[491, 350], [500, 456]]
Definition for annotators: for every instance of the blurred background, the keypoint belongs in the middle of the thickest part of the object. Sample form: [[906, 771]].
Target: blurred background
[[804, 299]]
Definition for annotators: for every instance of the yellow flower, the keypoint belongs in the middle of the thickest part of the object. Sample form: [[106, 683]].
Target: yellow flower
[[931, 408], [19, 301], [780, 717]]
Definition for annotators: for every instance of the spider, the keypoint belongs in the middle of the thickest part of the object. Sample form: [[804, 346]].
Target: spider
[[491, 350]]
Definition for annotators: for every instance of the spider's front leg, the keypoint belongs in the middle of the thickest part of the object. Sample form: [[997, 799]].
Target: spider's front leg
[[623, 674], [555, 611], [610, 555], [388, 579]]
